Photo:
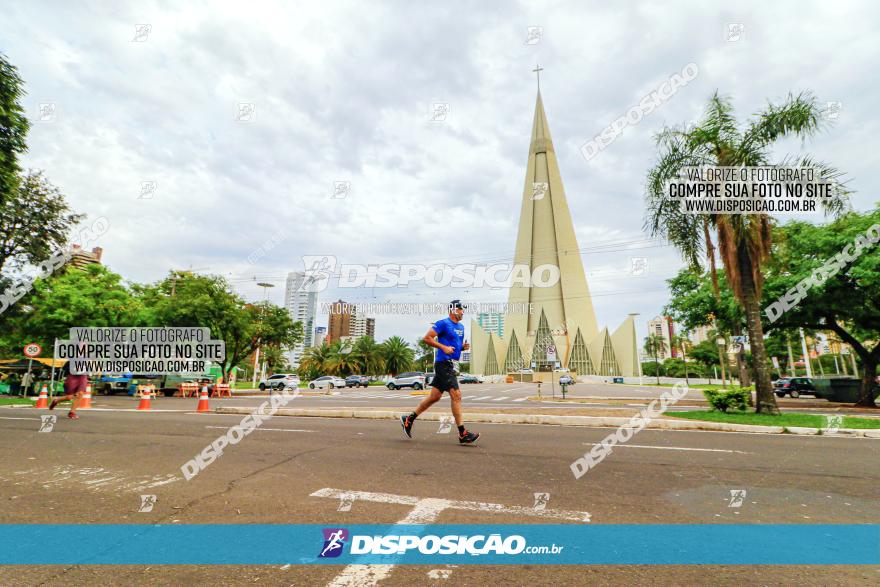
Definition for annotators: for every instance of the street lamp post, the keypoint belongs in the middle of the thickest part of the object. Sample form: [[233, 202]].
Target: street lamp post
[[721, 344], [265, 287]]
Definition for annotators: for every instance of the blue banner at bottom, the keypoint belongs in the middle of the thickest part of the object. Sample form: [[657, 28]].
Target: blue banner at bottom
[[478, 544]]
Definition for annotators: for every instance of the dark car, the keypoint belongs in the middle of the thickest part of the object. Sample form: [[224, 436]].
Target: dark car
[[468, 378], [793, 386], [357, 381]]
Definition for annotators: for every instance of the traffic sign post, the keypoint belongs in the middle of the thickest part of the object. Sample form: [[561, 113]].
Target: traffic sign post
[[31, 350]]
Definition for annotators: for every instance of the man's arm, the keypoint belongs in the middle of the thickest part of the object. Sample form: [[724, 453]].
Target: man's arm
[[431, 340]]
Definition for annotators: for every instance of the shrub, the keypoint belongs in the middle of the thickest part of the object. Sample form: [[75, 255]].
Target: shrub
[[736, 398]]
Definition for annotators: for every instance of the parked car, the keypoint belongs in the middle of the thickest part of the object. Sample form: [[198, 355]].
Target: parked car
[[280, 381], [357, 381], [468, 378], [793, 386], [413, 379], [328, 381], [566, 380]]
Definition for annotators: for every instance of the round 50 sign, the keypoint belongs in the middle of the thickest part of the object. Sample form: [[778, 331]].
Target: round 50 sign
[[32, 350]]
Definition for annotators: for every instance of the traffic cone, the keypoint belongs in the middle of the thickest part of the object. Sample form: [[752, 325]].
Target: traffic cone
[[145, 399], [203, 400], [86, 398], [43, 400]]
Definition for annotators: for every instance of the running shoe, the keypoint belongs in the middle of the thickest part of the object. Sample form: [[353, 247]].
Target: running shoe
[[406, 423], [468, 437], [72, 416]]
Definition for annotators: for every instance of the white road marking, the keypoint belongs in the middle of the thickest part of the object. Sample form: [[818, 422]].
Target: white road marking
[[521, 399], [481, 398], [674, 448], [14, 418], [267, 429], [425, 511], [503, 397]]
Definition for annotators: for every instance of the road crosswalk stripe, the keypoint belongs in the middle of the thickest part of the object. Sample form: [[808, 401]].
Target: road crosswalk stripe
[[498, 399], [520, 399]]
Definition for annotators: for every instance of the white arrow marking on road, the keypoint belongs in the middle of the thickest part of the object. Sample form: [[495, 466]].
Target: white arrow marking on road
[[425, 511]]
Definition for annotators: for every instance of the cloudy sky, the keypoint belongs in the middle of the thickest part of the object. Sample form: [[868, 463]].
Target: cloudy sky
[[344, 92]]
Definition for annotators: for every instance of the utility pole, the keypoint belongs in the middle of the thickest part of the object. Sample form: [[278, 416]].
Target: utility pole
[[806, 354], [792, 371], [265, 287]]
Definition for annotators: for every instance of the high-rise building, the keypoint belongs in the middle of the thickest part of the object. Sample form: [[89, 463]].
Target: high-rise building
[[665, 328], [371, 328], [81, 257], [491, 322], [320, 335], [341, 321], [560, 314], [302, 306]]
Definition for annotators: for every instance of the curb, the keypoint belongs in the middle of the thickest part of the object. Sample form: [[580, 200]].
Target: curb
[[545, 419]]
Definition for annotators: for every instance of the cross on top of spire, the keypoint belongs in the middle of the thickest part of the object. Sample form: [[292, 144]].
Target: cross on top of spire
[[538, 69]]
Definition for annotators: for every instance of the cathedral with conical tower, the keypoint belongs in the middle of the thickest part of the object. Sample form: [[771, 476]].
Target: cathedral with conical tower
[[562, 316]]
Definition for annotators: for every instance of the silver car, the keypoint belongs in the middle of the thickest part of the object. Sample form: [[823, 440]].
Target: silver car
[[327, 381], [280, 381], [413, 379]]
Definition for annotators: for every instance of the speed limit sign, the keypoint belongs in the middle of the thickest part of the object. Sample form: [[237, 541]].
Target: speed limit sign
[[32, 350]]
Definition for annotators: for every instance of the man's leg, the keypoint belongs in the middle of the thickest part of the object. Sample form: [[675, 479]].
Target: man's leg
[[429, 401], [455, 397], [75, 402], [60, 399]]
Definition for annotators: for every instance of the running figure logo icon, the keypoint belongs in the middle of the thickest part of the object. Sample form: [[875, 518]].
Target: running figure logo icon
[[334, 541]]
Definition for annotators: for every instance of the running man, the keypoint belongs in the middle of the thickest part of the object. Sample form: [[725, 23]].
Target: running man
[[74, 388], [447, 336]]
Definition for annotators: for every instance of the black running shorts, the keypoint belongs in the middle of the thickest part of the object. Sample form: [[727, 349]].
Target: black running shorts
[[444, 376]]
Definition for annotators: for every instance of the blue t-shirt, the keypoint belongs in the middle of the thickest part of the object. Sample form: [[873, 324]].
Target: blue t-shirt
[[449, 333]]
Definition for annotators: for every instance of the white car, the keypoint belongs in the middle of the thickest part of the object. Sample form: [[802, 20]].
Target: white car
[[280, 381], [327, 381]]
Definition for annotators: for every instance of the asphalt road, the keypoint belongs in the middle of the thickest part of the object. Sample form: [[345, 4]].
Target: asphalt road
[[94, 470]]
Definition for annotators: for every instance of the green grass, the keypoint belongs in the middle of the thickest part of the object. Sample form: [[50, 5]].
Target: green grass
[[712, 386], [797, 420], [15, 401]]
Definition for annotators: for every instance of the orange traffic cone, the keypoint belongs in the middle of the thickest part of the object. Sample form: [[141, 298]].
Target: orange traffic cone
[[203, 400], [43, 400], [86, 398], [145, 400]]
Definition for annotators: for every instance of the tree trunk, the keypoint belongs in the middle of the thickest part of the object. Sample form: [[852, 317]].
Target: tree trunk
[[869, 380], [764, 396]]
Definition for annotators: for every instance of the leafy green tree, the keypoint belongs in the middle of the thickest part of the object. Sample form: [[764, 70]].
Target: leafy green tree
[[341, 362], [682, 342], [744, 240], [397, 355], [315, 361], [275, 358], [654, 345], [92, 296], [706, 353], [13, 129], [34, 222], [846, 302], [424, 355], [184, 299]]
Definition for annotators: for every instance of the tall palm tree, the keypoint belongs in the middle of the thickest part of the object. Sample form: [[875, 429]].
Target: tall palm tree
[[315, 360], [341, 362], [743, 239], [681, 341], [398, 355], [366, 354], [654, 345]]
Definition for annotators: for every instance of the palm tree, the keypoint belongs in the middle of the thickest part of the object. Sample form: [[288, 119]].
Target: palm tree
[[398, 355], [680, 341], [366, 354], [341, 362], [315, 360], [743, 239], [654, 345]]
